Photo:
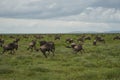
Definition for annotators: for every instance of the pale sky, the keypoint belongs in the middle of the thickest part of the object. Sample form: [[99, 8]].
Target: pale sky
[[59, 16]]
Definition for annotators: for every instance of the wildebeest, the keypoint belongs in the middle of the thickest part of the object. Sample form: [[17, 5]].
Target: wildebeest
[[25, 36], [16, 40], [100, 39], [80, 39], [116, 38], [38, 36], [32, 45], [47, 47], [42, 42], [69, 40], [10, 47], [57, 37], [94, 42], [11, 36], [1, 42], [76, 47], [88, 38]]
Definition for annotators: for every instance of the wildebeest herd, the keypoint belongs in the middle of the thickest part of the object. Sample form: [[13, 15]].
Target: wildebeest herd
[[49, 46]]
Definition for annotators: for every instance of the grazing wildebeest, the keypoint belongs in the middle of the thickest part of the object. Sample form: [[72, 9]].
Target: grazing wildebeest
[[16, 40], [69, 40], [32, 45], [38, 36], [100, 39], [25, 36], [47, 47], [116, 38], [88, 38], [80, 39], [10, 47], [12, 36], [57, 37]]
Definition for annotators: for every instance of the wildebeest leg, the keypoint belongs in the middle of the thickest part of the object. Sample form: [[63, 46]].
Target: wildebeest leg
[[44, 53], [11, 51], [52, 52], [31, 49], [49, 52], [81, 51], [16, 48], [35, 48]]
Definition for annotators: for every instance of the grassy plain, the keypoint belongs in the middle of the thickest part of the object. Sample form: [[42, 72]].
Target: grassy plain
[[101, 62]]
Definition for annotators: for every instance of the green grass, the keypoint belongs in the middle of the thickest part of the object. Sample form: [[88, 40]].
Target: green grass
[[101, 62]]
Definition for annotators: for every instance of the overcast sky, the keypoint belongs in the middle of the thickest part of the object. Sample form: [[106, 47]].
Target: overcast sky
[[59, 16]]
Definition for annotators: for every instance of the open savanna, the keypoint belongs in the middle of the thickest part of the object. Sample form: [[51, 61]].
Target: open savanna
[[100, 62]]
